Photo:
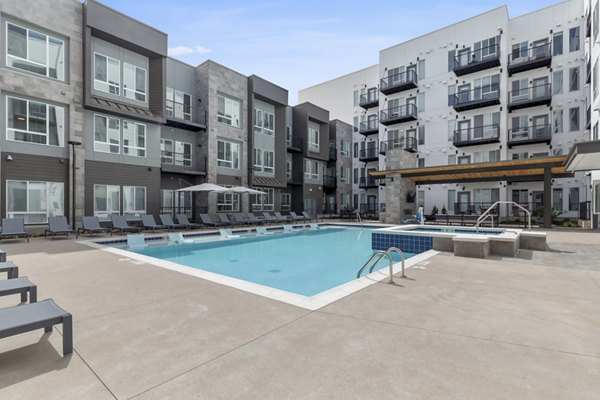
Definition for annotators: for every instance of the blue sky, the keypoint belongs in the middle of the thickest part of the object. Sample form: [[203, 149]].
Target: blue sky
[[296, 44]]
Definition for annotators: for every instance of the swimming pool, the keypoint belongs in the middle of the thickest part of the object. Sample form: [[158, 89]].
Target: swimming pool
[[305, 263]]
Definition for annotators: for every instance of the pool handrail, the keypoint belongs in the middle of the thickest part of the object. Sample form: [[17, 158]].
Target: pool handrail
[[401, 253], [490, 209]]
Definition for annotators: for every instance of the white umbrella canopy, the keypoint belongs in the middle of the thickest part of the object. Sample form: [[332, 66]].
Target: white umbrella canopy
[[204, 187], [243, 189]]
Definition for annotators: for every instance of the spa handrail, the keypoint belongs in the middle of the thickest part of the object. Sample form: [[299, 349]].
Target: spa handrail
[[483, 216]]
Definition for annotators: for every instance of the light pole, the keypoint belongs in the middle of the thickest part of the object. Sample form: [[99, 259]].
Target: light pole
[[73, 143]]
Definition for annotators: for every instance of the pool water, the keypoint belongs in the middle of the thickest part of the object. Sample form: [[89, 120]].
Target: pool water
[[306, 263]]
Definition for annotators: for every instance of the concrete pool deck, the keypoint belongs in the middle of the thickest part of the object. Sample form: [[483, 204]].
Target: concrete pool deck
[[458, 328]]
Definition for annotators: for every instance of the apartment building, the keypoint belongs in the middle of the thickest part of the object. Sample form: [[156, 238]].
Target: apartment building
[[488, 88]]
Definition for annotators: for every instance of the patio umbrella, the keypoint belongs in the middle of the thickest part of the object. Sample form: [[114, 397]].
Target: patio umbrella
[[204, 187], [243, 189]]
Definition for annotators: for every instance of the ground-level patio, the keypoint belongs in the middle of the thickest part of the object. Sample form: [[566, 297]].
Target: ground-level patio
[[457, 328]]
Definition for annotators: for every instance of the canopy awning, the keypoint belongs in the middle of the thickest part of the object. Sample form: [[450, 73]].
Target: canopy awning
[[584, 156]]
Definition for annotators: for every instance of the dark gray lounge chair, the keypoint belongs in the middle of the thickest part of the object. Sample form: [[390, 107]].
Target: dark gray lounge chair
[[269, 219], [254, 220], [59, 226], [224, 219], [119, 223], [13, 227], [239, 219], [149, 223], [91, 225], [296, 217], [19, 285], [10, 268], [183, 219], [280, 218], [167, 221], [205, 218], [307, 216], [34, 316]]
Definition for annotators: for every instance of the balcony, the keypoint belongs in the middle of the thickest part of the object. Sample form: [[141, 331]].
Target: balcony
[[369, 100], [409, 144], [367, 183], [535, 57], [477, 135], [329, 181], [368, 154], [295, 178], [396, 115], [533, 96], [477, 98], [332, 153], [399, 82], [369, 127], [181, 163], [477, 60], [184, 116], [530, 135], [294, 144]]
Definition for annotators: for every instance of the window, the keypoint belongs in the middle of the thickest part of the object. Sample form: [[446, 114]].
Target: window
[[176, 153], [313, 139], [574, 199], [451, 129], [461, 160], [228, 154], [229, 111], [421, 101], [421, 134], [573, 119], [451, 95], [595, 22], [596, 197], [573, 79], [178, 202], [557, 121], [34, 122], [134, 200], [264, 122], [228, 202], [355, 124], [520, 156], [34, 201], [519, 50], [107, 74], [311, 169], [345, 148], [452, 159], [557, 199], [557, 44], [355, 154], [574, 40], [355, 98], [451, 54], [420, 198], [486, 156], [355, 176], [345, 200], [263, 160], [134, 139], [486, 197], [286, 202], [421, 69], [557, 82], [421, 163], [345, 174], [595, 77], [134, 82], [107, 134], [179, 104], [107, 200], [35, 52], [263, 202]]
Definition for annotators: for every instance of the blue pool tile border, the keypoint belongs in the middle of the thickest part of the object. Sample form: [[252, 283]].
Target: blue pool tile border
[[407, 243]]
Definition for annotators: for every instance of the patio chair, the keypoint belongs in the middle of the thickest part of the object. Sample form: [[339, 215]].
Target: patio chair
[[269, 219], [307, 216], [12, 271], [136, 241], [280, 218], [34, 316], [224, 219], [288, 229], [227, 234], [183, 219], [119, 223], [59, 226], [206, 220], [92, 225], [239, 219], [150, 224], [252, 219], [261, 230], [13, 227], [296, 217], [177, 238], [167, 221], [19, 285]]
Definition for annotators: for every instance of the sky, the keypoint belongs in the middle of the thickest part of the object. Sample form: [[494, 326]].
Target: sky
[[297, 44]]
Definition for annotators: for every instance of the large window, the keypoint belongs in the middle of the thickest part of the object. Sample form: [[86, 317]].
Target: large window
[[573, 119], [263, 202], [345, 148], [174, 152], [574, 39], [34, 201], [174, 201], [107, 74], [134, 82], [107, 200], [107, 134], [557, 82], [179, 104], [34, 122], [557, 199], [557, 121], [228, 154], [229, 111], [573, 79], [35, 52], [264, 122], [134, 139], [228, 201], [286, 202], [264, 160], [344, 174], [311, 169], [574, 199], [313, 139], [134, 200], [557, 44]]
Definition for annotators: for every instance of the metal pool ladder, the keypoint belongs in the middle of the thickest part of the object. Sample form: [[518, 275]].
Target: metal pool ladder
[[379, 255], [359, 219], [487, 212]]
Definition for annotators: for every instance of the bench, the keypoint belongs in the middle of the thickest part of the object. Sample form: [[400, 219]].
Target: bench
[[33, 316], [10, 268], [19, 285]]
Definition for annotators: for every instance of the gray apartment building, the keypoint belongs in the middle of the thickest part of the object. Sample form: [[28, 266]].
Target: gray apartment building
[[99, 121]]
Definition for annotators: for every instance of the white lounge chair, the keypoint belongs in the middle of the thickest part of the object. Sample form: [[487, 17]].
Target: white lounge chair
[[288, 229], [136, 242], [177, 238], [227, 234], [261, 230], [314, 227]]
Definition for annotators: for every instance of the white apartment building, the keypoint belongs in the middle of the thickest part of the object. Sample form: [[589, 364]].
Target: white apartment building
[[488, 88]]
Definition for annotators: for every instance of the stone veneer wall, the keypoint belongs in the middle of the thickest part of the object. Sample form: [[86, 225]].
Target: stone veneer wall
[[397, 208]]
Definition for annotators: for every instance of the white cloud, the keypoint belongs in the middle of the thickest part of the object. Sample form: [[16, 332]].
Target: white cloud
[[184, 50]]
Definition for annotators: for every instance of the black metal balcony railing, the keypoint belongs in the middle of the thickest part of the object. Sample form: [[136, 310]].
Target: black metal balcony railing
[[532, 96], [330, 208], [476, 98], [295, 178], [367, 182], [476, 135], [399, 82], [535, 57], [368, 209], [294, 144], [369, 100], [368, 154], [369, 127], [184, 115], [329, 181], [395, 115], [529, 135], [408, 144], [181, 162], [477, 60]]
